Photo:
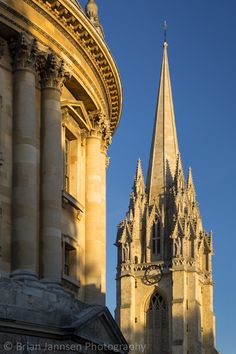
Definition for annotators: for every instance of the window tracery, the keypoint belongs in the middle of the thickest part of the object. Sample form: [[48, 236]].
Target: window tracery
[[158, 325]]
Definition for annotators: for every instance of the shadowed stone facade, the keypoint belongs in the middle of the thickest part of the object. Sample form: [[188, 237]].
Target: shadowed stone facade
[[60, 103], [164, 273]]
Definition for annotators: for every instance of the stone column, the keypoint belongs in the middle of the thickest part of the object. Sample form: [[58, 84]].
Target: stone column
[[52, 78], [25, 158], [95, 205], [106, 140]]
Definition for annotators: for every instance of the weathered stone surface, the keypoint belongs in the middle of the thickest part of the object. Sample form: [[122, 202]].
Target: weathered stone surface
[[32, 306]]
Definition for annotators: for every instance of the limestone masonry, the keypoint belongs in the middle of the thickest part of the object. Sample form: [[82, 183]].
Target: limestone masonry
[[60, 103], [164, 272]]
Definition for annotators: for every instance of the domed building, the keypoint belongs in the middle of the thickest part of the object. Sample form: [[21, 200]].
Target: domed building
[[60, 103]]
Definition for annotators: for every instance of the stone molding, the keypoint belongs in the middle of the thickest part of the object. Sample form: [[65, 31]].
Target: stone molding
[[74, 113], [141, 267], [24, 52], [184, 262]]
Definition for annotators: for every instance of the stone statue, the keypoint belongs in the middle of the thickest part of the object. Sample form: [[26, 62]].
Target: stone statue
[[200, 243], [126, 252], [177, 247]]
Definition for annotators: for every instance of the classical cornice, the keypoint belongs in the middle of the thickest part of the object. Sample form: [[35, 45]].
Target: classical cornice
[[74, 21]]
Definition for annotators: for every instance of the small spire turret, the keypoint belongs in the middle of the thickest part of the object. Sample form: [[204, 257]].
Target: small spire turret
[[190, 185], [92, 10], [139, 184], [179, 180], [92, 13], [190, 178]]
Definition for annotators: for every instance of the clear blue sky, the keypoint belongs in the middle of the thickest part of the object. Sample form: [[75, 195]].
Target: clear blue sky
[[202, 58]]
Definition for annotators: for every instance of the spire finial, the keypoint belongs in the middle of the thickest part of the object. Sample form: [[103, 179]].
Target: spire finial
[[92, 13], [165, 26], [92, 10]]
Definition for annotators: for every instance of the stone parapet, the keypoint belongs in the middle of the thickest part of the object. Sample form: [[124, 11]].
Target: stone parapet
[[29, 307]]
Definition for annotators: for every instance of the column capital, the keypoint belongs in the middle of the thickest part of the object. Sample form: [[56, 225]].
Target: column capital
[[52, 71], [24, 50], [100, 127]]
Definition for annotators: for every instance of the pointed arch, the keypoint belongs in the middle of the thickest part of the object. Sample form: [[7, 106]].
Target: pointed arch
[[157, 324]]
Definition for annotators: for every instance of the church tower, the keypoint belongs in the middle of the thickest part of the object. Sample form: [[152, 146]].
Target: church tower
[[164, 273]]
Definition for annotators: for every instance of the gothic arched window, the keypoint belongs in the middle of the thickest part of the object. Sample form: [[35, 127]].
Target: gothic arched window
[[156, 238], [158, 325]]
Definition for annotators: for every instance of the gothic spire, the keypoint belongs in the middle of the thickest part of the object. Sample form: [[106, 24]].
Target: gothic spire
[[139, 172], [179, 180], [164, 149], [190, 184]]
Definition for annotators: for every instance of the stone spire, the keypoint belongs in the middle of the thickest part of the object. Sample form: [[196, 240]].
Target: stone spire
[[92, 13], [139, 184], [164, 149], [190, 182]]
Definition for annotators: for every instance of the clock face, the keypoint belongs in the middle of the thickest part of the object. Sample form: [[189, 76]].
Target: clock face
[[153, 274]]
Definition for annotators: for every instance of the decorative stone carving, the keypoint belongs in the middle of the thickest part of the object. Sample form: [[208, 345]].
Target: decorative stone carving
[[178, 262], [177, 249], [126, 268], [92, 13], [65, 17], [65, 116], [100, 127], [207, 276], [92, 10], [52, 71], [200, 243], [24, 51]]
